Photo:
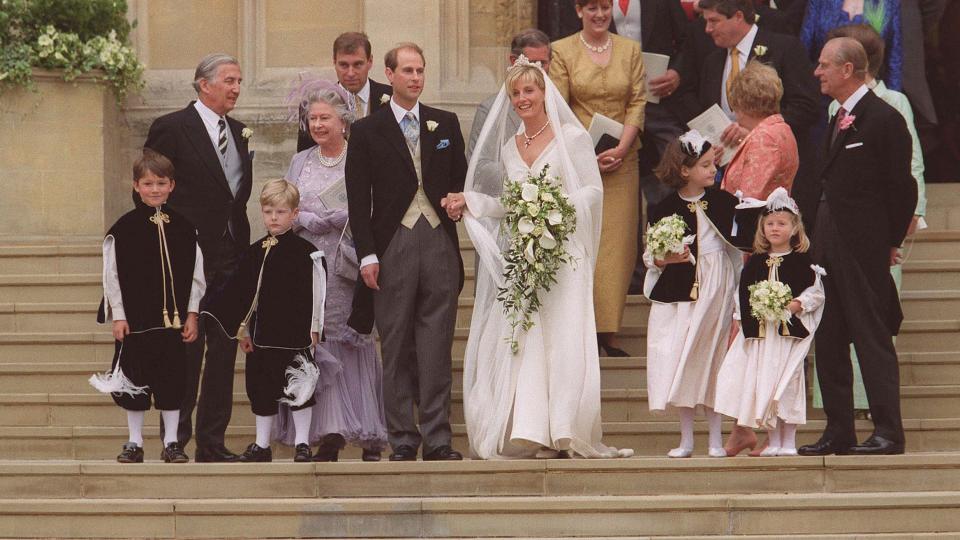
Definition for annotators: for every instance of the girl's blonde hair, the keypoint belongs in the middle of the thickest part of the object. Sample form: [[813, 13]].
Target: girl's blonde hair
[[799, 241]]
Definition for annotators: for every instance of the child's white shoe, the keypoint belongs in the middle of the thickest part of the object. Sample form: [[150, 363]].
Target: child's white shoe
[[717, 452], [771, 451], [680, 452], [787, 452]]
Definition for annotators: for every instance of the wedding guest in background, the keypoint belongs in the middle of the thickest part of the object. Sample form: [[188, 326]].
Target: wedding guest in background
[[349, 395], [781, 16], [862, 208], [598, 72], [210, 152], [882, 15], [352, 60], [919, 20]]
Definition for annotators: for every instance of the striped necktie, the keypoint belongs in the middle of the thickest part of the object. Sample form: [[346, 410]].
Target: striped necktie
[[222, 144]]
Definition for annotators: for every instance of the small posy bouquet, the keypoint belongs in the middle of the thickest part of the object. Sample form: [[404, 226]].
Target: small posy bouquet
[[768, 302], [667, 236], [539, 219]]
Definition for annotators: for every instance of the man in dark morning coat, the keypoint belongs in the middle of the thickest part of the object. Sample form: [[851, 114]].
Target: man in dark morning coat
[[861, 206], [214, 173], [352, 60], [401, 162]]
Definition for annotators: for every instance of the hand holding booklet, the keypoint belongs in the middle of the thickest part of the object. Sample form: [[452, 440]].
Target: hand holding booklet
[[334, 197], [605, 133], [711, 124], [655, 65]]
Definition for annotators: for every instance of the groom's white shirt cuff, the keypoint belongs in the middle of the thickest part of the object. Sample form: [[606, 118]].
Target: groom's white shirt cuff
[[368, 260]]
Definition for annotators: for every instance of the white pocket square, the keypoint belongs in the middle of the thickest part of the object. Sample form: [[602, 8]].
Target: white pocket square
[[443, 144], [853, 145]]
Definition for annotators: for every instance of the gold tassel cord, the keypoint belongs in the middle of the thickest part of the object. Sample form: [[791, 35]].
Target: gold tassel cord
[[695, 291], [159, 218], [692, 206], [762, 333], [266, 244], [173, 292]]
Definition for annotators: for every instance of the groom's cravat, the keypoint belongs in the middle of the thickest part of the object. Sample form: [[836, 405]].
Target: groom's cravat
[[411, 131]]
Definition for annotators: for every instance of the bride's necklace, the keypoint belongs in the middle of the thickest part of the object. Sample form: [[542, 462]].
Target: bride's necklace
[[529, 138], [597, 49], [332, 161]]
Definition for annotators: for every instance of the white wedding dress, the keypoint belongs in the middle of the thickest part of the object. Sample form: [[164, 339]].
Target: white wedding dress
[[548, 393]]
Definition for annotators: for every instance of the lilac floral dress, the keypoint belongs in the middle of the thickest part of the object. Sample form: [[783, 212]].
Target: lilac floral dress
[[349, 394]]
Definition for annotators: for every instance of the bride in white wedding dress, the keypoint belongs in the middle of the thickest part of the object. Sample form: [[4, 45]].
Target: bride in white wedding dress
[[543, 401]]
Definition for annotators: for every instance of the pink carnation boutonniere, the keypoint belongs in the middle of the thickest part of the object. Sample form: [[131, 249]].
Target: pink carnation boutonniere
[[847, 121]]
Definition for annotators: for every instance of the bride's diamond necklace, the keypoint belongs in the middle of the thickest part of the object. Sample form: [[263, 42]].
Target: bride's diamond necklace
[[332, 161], [596, 49], [529, 138]]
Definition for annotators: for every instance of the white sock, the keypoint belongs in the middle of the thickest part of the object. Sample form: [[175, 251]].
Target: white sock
[[686, 427], [170, 421], [715, 424], [301, 421], [773, 436], [264, 429], [135, 425], [788, 437]]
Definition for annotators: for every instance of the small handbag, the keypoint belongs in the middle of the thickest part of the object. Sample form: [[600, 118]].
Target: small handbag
[[345, 263]]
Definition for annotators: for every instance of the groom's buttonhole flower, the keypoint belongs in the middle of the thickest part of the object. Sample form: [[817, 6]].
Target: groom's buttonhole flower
[[431, 125], [384, 99]]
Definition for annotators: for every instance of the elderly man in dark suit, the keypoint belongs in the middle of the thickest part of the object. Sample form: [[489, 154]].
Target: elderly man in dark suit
[[861, 206], [401, 162], [352, 60], [214, 173]]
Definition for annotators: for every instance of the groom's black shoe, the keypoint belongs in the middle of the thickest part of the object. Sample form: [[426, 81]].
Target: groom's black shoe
[[877, 446], [824, 447], [404, 452], [443, 453]]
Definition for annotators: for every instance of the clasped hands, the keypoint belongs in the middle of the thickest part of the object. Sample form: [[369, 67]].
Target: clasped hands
[[454, 204], [121, 329]]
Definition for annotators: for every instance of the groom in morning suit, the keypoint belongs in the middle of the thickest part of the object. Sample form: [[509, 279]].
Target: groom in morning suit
[[214, 173], [861, 206], [401, 162]]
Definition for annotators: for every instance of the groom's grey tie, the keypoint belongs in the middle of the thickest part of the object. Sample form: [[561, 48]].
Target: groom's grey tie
[[411, 131]]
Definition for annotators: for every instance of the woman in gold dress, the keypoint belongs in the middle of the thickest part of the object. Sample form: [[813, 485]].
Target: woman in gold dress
[[600, 72]]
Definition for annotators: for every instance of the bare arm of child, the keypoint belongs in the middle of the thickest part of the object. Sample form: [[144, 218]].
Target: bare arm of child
[[674, 258], [189, 332]]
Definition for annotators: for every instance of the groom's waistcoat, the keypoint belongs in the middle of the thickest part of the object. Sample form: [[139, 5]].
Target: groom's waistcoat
[[420, 205]]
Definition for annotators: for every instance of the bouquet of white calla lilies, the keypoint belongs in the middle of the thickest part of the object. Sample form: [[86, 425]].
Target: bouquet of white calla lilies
[[539, 219]]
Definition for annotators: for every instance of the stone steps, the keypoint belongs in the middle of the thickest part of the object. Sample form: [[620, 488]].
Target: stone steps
[[431, 517], [99, 442]]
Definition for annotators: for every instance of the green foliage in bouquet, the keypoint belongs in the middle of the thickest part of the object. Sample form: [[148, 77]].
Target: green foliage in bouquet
[[75, 36], [539, 219]]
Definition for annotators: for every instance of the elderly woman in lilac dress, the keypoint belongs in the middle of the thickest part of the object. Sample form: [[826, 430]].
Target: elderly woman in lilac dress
[[349, 397]]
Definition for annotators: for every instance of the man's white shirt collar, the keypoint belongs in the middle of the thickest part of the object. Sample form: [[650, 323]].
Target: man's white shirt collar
[[747, 42], [399, 112], [363, 94], [855, 98], [211, 121]]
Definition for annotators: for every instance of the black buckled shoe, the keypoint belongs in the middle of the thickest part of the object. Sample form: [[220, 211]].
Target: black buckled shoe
[[329, 449], [215, 454], [443, 453], [302, 453], [876, 445], [370, 455], [131, 453], [255, 454], [404, 452], [173, 453]]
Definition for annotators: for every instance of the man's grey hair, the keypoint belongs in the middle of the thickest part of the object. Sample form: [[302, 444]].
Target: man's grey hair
[[332, 98], [531, 37], [207, 68], [850, 50]]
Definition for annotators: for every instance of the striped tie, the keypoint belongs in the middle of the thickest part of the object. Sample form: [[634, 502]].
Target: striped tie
[[222, 145]]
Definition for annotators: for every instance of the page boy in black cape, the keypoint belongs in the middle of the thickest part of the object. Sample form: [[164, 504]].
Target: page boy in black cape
[[152, 283], [274, 305]]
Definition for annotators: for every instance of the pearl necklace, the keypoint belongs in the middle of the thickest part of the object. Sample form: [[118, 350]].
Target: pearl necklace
[[529, 138], [596, 49], [334, 161]]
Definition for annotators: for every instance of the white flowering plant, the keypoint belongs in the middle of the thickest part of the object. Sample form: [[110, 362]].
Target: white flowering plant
[[539, 219], [666, 236], [72, 36], [769, 300]]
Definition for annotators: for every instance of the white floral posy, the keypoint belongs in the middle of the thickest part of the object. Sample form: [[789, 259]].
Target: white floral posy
[[431, 125], [246, 133], [384, 98], [760, 50]]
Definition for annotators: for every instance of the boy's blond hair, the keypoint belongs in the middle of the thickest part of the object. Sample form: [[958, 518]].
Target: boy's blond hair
[[280, 192]]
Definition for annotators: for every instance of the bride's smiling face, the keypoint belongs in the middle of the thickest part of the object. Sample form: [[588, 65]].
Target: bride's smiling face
[[527, 100]]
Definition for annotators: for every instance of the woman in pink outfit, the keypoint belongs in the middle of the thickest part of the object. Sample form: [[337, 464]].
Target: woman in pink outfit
[[767, 158]]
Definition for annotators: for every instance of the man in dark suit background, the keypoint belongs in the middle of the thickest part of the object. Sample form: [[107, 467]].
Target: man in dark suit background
[[861, 207], [401, 162], [214, 173], [352, 60]]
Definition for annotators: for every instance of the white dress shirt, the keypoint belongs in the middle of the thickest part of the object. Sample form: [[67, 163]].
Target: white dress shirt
[[744, 49], [113, 299], [399, 113], [628, 25], [211, 121], [855, 98], [364, 95]]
